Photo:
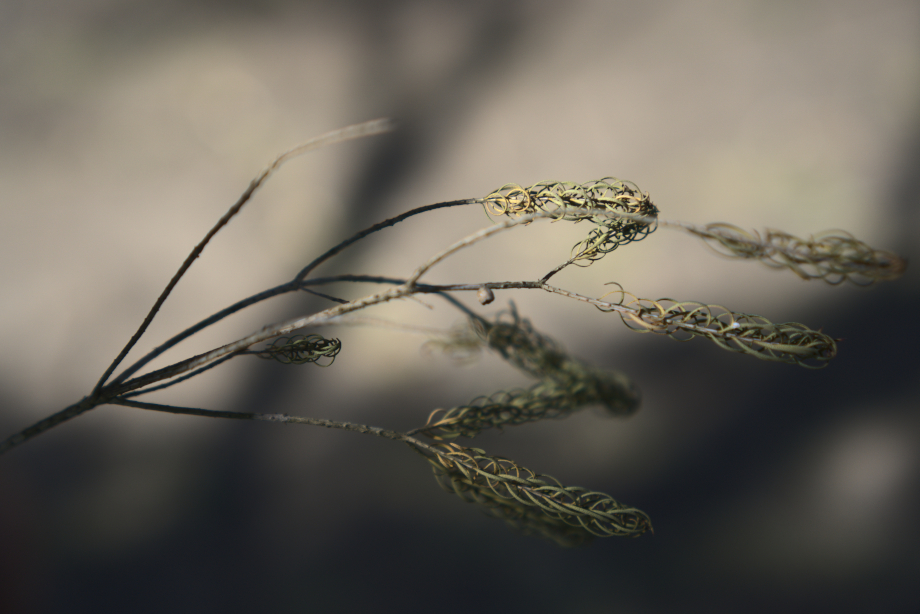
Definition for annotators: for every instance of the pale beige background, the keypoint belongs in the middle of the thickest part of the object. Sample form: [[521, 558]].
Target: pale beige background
[[127, 128]]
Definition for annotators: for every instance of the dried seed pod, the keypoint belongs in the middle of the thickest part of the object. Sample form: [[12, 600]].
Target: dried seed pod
[[532, 502], [301, 349], [566, 384], [834, 255], [572, 202], [788, 342]]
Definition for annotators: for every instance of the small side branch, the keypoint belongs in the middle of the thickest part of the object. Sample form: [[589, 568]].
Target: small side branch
[[349, 132], [371, 230], [282, 418]]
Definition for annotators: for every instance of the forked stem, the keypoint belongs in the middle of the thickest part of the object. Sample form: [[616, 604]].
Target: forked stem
[[376, 126]]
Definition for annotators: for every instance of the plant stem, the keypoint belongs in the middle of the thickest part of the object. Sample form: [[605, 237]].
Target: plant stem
[[51, 421], [349, 132], [372, 229]]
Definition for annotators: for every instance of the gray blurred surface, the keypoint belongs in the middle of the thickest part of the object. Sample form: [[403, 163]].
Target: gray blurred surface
[[128, 128]]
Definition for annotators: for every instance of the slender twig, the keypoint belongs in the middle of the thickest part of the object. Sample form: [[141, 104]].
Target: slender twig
[[350, 132], [568, 262], [266, 333], [328, 297], [387, 325], [247, 302], [380, 226], [192, 330], [296, 283], [407, 288], [185, 377], [479, 236], [50, 422], [285, 419], [300, 282]]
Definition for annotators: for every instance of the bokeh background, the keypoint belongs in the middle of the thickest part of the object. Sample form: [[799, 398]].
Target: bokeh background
[[128, 127]]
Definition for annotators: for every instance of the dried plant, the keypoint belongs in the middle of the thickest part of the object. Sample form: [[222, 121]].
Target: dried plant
[[301, 349], [619, 213], [531, 502], [570, 201], [566, 384]]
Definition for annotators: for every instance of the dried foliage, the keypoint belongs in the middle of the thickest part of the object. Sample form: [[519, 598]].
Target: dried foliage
[[301, 349], [566, 385], [620, 214], [549, 399], [572, 201], [788, 342], [532, 502], [834, 255]]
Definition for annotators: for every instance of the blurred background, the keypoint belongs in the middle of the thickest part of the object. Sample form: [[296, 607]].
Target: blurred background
[[127, 128]]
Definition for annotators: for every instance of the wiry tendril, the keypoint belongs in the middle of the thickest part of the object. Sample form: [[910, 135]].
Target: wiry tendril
[[788, 342], [570, 200], [532, 502], [833, 255], [301, 349]]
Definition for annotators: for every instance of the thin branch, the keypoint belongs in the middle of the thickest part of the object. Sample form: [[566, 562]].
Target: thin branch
[[479, 236], [546, 277], [511, 223], [185, 377], [296, 283], [406, 289], [299, 282], [512, 486], [380, 226], [283, 418], [349, 132], [328, 297], [188, 332], [386, 324], [350, 277], [51, 421], [475, 287], [256, 298], [267, 332]]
